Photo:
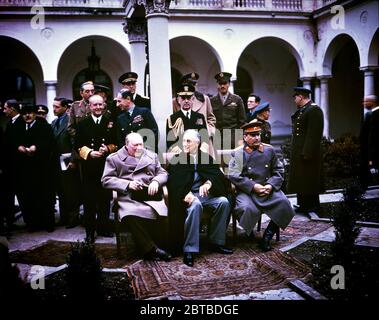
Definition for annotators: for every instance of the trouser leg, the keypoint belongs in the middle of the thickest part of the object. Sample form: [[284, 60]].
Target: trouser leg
[[192, 227]]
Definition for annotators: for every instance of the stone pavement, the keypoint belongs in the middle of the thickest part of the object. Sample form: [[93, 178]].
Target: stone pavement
[[22, 240]]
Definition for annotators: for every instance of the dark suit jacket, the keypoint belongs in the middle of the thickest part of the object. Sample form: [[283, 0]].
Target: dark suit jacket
[[197, 122], [92, 136], [62, 137], [12, 136], [141, 118], [180, 181]]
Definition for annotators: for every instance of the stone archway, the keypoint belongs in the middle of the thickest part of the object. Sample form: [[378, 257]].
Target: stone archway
[[273, 66], [204, 60], [21, 75], [345, 86], [114, 60], [373, 60]]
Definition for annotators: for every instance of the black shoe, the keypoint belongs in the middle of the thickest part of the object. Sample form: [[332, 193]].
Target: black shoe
[[271, 229], [158, 255], [220, 249], [188, 259]]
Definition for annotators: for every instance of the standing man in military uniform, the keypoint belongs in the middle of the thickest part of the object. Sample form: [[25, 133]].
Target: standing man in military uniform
[[262, 114], [135, 118], [95, 140], [305, 176], [80, 109], [129, 82], [184, 119], [229, 111], [255, 171]]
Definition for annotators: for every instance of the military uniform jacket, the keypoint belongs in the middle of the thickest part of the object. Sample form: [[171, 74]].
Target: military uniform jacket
[[177, 123], [231, 114], [265, 132], [141, 118], [201, 104], [263, 167], [90, 136], [305, 175], [78, 111], [142, 101], [12, 135], [121, 168]]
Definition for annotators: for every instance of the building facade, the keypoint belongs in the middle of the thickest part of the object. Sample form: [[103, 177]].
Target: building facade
[[50, 46]]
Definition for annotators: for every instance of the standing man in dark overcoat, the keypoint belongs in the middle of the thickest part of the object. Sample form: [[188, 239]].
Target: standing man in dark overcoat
[[305, 176], [373, 139], [95, 139]]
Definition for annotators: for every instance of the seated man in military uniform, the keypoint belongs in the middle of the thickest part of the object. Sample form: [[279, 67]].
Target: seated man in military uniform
[[255, 171]]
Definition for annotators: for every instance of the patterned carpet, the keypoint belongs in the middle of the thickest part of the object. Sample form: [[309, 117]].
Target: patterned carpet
[[214, 275]]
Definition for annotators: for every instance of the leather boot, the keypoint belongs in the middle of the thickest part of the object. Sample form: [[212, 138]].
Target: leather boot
[[267, 236]]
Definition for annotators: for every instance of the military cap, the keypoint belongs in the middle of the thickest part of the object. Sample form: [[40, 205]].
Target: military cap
[[42, 108], [223, 77], [252, 127], [28, 108], [185, 89], [128, 76], [101, 88], [302, 90], [190, 78], [262, 107], [85, 83]]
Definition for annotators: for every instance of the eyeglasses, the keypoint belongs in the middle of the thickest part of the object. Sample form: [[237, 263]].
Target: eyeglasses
[[129, 83], [185, 97]]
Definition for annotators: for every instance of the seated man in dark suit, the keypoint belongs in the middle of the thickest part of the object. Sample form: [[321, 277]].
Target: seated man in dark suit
[[135, 119], [185, 119], [195, 183]]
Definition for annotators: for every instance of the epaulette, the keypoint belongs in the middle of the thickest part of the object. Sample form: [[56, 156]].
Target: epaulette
[[199, 96]]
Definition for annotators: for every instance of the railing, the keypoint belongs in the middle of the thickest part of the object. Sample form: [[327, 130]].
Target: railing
[[63, 3], [266, 5]]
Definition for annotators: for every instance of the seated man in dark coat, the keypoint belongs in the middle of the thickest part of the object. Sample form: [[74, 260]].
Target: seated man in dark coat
[[255, 171], [195, 183], [185, 119]]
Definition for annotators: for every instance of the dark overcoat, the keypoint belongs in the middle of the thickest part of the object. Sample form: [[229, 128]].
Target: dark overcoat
[[373, 139], [180, 180], [263, 167], [305, 176]]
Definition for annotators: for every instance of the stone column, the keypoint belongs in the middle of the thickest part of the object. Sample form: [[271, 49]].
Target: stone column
[[307, 83], [159, 64], [232, 82], [369, 82], [324, 102], [51, 93], [317, 92], [137, 34]]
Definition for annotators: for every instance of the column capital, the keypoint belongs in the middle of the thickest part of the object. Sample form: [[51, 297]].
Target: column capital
[[136, 29], [155, 7], [369, 68], [307, 78], [51, 84], [324, 78]]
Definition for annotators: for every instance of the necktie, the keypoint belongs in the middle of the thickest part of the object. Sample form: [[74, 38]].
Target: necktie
[[28, 126], [188, 115], [97, 121]]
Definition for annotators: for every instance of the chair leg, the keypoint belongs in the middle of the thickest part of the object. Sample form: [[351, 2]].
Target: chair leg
[[234, 225], [259, 224]]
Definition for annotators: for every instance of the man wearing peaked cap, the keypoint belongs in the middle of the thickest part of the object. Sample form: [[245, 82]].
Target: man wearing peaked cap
[[255, 171], [201, 104], [42, 111], [129, 81], [184, 119], [305, 176], [103, 91], [262, 113], [229, 110]]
